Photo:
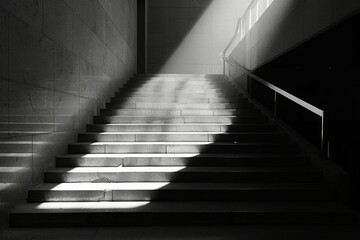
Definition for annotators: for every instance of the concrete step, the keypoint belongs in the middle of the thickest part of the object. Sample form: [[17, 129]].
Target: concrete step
[[182, 174], [130, 160], [148, 94], [172, 106], [181, 136], [137, 213], [180, 76], [174, 90], [180, 147], [180, 83], [165, 191], [155, 127], [177, 87], [181, 119], [181, 112], [175, 99]]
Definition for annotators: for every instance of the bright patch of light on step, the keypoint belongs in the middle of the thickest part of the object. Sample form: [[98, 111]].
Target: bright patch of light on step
[[156, 133], [134, 155], [78, 186], [124, 169], [103, 186], [150, 143], [91, 205], [139, 185]]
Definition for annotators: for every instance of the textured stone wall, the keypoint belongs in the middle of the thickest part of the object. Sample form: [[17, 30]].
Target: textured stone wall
[[60, 61]]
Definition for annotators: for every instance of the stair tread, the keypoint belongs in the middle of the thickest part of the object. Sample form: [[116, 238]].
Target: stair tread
[[177, 169], [178, 143], [182, 133], [86, 186], [167, 111], [182, 124], [147, 206], [177, 124], [187, 116], [174, 155]]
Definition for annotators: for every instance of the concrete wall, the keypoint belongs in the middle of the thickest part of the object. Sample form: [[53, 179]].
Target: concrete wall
[[60, 61], [187, 36], [287, 23]]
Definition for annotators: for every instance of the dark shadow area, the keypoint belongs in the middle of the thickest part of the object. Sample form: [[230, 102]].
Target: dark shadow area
[[141, 36], [325, 71], [300, 119], [241, 152]]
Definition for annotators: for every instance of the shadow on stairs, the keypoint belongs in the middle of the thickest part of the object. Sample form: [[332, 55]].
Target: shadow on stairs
[[181, 150]]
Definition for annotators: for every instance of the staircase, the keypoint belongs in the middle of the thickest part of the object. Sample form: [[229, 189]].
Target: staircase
[[181, 149]]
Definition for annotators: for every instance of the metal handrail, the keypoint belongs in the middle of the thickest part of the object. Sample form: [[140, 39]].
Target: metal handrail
[[283, 93]]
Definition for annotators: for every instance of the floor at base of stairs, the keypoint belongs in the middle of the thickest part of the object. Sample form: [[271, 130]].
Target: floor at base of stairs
[[241, 232]]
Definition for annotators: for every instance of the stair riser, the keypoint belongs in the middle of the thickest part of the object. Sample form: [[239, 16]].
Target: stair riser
[[173, 218], [178, 195], [181, 128], [181, 138], [162, 148], [177, 113], [163, 161], [201, 119], [173, 105], [274, 176]]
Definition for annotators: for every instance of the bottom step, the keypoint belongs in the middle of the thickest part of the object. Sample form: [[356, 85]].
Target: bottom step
[[62, 214]]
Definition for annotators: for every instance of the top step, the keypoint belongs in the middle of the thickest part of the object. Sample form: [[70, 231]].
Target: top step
[[210, 76]]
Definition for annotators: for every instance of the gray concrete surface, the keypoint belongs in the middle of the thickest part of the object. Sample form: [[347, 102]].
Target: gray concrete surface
[[60, 61]]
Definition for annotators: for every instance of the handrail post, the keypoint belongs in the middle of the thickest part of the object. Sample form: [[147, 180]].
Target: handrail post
[[324, 147], [275, 103], [249, 85]]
